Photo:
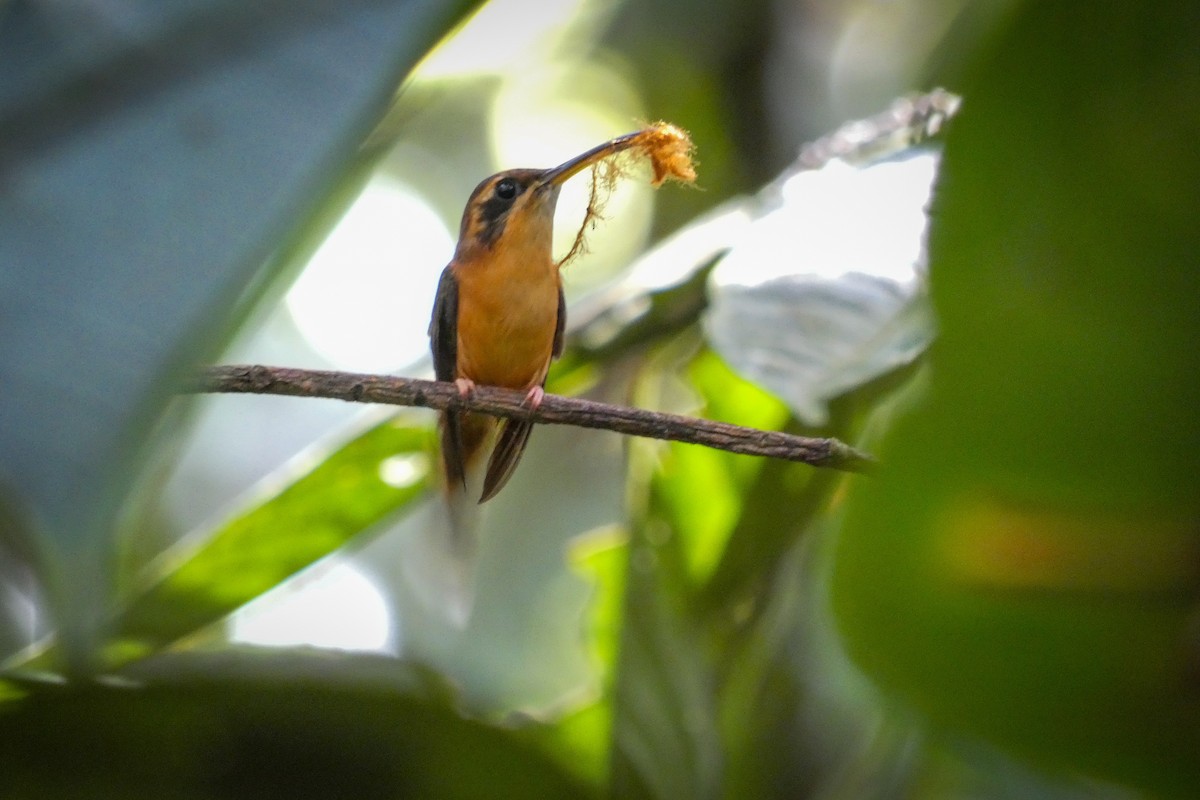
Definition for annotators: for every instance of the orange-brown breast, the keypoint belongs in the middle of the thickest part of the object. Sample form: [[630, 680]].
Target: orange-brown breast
[[507, 312]]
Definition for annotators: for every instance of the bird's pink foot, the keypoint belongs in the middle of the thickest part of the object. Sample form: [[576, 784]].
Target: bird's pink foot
[[465, 386], [534, 397]]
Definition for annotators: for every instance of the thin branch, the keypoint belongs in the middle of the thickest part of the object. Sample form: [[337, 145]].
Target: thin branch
[[554, 410]]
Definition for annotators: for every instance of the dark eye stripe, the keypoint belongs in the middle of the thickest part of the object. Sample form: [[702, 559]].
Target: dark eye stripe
[[493, 215]]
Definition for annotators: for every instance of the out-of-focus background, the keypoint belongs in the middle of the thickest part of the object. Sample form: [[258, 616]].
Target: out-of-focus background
[[957, 235], [528, 85]]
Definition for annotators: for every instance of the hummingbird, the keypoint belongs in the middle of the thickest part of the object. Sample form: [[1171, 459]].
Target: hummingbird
[[499, 313]]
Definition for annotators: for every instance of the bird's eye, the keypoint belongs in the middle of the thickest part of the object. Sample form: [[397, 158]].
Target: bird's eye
[[506, 189]]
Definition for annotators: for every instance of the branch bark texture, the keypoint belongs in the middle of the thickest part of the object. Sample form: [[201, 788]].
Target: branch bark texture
[[554, 410]]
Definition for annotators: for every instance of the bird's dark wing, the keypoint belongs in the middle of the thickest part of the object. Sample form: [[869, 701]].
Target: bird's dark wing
[[507, 453], [443, 327], [443, 342], [560, 326]]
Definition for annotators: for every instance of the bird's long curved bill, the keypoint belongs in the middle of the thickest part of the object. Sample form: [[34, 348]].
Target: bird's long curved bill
[[558, 175]]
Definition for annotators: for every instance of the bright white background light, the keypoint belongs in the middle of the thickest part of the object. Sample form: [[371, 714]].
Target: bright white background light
[[337, 607], [363, 300]]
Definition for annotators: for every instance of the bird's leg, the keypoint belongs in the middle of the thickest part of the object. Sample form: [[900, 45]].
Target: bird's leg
[[465, 386], [534, 397]]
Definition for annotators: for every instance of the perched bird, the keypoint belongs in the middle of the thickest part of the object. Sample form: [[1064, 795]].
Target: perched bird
[[499, 314], [498, 320]]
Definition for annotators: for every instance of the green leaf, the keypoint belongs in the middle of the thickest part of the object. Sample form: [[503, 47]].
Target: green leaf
[[826, 290], [702, 490], [205, 734], [761, 696], [665, 743], [578, 740], [664, 737], [602, 556], [1024, 571], [365, 482]]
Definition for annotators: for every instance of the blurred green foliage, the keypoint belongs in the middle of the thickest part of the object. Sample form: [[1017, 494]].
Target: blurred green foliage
[[1008, 609], [1028, 571], [202, 737], [333, 500]]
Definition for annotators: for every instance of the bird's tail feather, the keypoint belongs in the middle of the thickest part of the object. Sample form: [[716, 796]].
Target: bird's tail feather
[[510, 444], [444, 566]]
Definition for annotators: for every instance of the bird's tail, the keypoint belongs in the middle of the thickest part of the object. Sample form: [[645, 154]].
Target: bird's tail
[[465, 439], [443, 566]]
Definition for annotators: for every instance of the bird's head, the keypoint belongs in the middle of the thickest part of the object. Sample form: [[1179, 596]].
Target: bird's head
[[515, 208]]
